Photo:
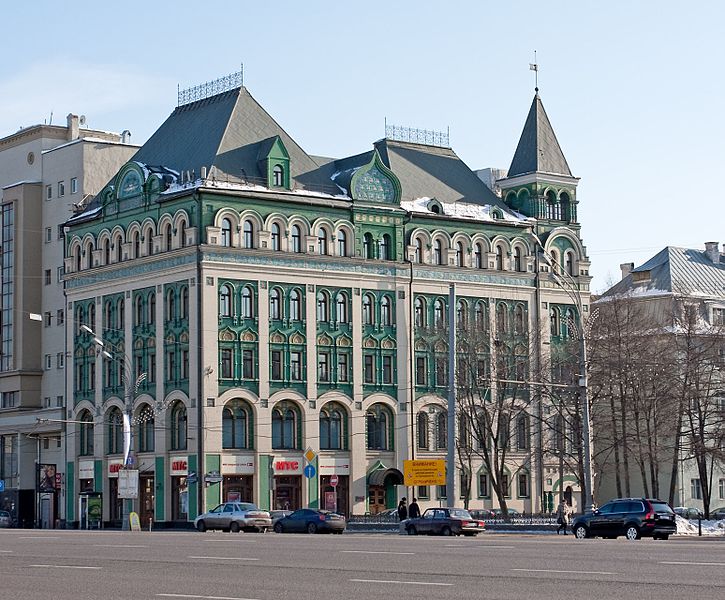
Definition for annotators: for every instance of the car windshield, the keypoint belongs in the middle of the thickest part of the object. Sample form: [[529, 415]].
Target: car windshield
[[662, 507], [247, 506], [460, 513]]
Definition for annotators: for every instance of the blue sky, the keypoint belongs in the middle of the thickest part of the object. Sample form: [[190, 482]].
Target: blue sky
[[633, 89]]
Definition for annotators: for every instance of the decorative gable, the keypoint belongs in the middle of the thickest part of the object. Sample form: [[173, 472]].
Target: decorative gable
[[374, 182]]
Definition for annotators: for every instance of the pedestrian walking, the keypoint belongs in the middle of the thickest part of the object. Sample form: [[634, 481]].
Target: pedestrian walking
[[402, 510], [414, 509], [563, 515]]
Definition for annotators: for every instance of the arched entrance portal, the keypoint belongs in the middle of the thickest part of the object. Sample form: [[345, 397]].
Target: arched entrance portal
[[381, 488]]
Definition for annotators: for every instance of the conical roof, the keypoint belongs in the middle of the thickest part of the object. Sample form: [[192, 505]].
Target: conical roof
[[538, 150]]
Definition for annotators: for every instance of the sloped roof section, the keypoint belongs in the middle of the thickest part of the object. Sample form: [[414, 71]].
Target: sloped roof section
[[680, 271], [226, 132], [434, 172], [538, 150]]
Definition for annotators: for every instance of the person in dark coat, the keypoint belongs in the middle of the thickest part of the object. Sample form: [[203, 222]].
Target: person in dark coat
[[402, 510], [414, 509]]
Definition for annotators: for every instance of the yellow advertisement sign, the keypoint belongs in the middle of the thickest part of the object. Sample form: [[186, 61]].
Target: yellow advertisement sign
[[134, 521], [424, 472]]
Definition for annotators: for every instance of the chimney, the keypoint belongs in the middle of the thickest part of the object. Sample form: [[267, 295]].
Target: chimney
[[125, 136], [72, 127], [626, 269], [712, 252]]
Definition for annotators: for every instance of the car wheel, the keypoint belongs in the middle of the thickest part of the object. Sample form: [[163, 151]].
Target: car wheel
[[234, 528], [412, 530], [311, 528], [278, 527], [201, 526], [632, 532], [580, 532], [446, 531]]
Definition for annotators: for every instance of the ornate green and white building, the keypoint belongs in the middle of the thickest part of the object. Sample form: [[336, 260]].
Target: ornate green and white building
[[268, 302]]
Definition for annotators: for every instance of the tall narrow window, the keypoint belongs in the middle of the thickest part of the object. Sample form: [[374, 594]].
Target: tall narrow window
[[234, 425], [439, 313], [226, 232], [386, 311], [275, 304], [377, 428], [247, 303], [296, 239], [178, 427], [418, 250], [478, 256], [275, 237], [225, 302], [368, 246], [367, 310], [322, 241], [342, 308], [248, 229], [420, 319], [441, 430], [341, 243], [323, 307], [569, 263], [295, 305], [518, 260], [283, 428], [423, 431], [385, 250], [438, 252], [499, 257], [331, 425], [501, 318], [168, 236], [278, 176], [459, 254]]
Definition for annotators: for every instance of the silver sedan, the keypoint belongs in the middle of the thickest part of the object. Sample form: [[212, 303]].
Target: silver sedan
[[234, 517]]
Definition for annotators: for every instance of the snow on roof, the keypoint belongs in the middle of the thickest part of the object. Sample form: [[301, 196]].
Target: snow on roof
[[462, 210], [228, 185], [91, 140]]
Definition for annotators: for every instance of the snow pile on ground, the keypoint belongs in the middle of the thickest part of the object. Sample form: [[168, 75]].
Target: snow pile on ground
[[689, 527]]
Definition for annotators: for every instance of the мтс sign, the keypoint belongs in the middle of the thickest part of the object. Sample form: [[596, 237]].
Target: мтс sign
[[424, 472]]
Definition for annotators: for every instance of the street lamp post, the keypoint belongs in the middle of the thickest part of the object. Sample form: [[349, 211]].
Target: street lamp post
[[130, 389], [567, 283]]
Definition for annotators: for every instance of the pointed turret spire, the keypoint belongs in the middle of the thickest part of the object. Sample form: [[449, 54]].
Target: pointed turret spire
[[538, 150]]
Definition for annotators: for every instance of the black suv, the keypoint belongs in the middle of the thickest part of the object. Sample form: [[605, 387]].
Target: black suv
[[630, 517]]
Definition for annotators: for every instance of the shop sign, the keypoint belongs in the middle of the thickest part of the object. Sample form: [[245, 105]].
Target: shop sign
[[86, 469], [288, 466], [334, 466], [114, 466], [237, 465], [178, 466]]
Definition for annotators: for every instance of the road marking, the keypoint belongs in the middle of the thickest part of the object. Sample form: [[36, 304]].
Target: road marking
[[221, 558], [374, 552], [403, 582], [6, 551], [468, 547], [38, 537], [567, 572], [703, 564], [204, 597], [118, 546], [64, 567]]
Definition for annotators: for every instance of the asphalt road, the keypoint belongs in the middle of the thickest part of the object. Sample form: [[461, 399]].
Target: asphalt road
[[187, 565]]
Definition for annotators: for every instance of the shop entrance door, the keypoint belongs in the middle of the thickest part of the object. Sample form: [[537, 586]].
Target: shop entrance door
[[376, 494], [287, 492], [146, 499]]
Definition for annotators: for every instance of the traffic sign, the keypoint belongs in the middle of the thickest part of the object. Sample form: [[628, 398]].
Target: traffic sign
[[191, 478], [424, 472], [310, 471], [213, 477], [310, 454], [334, 480], [2, 485]]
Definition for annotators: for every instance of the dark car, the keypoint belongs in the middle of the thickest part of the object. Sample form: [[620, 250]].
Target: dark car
[[630, 517], [512, 512], [717, 513], [483, 513], [445, 521], [311, 521]]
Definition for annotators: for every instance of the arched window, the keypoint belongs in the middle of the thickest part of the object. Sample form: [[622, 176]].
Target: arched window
[[323, 307], [554, 321], [551, 205], [420, 319], [386, 311], [168, 236], [118, 245], [121, 314], [138, 314], [462, 314], [519, 319], [441, 430], [459, 254], [569, 323], [149, 242], [136, 244], [235, 420], [225, 302], [569, 263], [385, 249], [341, 307], [437, 252], [247, 303], [185, 302], [368, 246], [518, 260], [78, 255], [522, 432], [226, 232], [276, 237], [439, 314], [296, 238], [322, 241], [86, 438], [248, 230], [89, 256], [145, 429], [418, 251], [377, 422], [331, 427], [499, 257], [284, 427], [481, 316], [182, 234], [278, 175], [295, 305], [501, 318], [565, 204], [478, 256], [423, 434], [341, 243], [367, 310], [275, 304], [106, 252], [171, 304], [555, 267], [152, 308], [178, 426], [108, 315], [115, 431]]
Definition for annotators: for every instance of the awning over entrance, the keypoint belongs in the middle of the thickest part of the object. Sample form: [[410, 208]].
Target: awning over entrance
[[379, 476]]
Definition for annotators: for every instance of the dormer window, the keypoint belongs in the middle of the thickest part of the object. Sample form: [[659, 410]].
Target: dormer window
[[278, 175]]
